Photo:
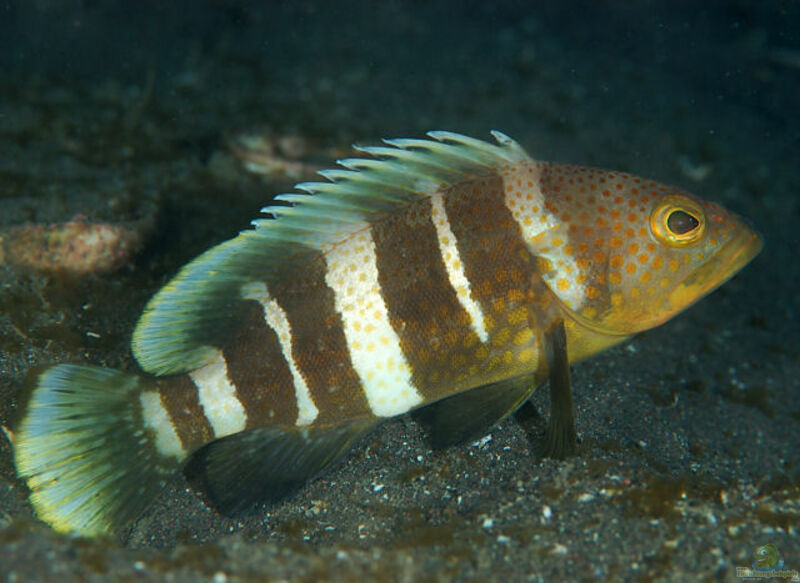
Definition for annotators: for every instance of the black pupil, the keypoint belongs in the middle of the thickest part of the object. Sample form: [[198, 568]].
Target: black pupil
[[681, 223]]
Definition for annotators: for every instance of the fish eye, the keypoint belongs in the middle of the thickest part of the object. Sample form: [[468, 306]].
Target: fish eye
[[677, 221], [681, 222]]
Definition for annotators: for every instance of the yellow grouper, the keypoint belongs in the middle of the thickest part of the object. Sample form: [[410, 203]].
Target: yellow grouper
[[448, 275]]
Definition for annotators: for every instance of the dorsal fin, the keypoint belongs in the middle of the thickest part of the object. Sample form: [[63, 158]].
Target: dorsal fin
[[198, 307]]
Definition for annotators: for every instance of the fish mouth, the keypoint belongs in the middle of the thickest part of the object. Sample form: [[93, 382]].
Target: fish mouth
[[719, 268]]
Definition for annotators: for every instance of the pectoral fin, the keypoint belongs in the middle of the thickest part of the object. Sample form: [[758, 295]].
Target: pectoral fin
[[561, 435], [268, 463], [471, 414]]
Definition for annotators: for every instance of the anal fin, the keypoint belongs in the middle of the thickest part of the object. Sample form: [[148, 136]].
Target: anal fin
[[471, 414], [268, 463]]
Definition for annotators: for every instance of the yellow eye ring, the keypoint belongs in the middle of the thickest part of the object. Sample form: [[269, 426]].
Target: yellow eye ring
[[677, 221]]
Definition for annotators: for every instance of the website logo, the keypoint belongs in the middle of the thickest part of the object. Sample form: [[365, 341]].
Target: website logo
[[767, 563]]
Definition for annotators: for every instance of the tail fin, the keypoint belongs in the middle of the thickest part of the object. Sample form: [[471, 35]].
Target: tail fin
[[83, 449]]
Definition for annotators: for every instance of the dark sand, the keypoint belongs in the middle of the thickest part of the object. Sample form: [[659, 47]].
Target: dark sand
[[689, 434]]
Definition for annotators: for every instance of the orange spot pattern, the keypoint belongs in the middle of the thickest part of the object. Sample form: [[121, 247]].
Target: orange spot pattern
[[599, 226]]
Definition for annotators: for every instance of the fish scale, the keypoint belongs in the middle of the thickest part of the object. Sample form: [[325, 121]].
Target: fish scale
[[446, 276]]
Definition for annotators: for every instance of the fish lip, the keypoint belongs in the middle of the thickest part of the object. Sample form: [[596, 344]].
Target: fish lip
[[750, 246], [738, 252], [723, 265]]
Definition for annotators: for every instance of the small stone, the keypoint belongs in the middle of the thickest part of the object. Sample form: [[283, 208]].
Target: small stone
[[74, 246], [547, 513]]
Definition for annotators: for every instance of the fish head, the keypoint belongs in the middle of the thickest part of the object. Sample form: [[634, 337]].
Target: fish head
[[633, 253], [766, 556], [710, 244]]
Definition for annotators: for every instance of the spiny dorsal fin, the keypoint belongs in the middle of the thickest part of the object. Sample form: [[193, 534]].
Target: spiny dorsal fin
[[197, 309]]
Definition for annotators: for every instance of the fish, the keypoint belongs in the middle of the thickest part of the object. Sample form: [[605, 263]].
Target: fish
[[443, 276]]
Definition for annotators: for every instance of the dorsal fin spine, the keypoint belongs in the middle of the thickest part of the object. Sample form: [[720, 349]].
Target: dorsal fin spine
[[405, 155]]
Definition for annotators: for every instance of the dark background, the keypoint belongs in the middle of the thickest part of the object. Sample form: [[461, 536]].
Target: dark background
[[689, 459]]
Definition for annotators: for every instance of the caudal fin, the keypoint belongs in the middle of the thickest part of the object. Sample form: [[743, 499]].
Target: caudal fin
[[83, 449]]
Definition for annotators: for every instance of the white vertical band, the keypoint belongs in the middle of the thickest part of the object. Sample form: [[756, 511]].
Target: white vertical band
[[546, 235], [217, 396], [374, 346], [455, 267], [276, 319], [157, 419]]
